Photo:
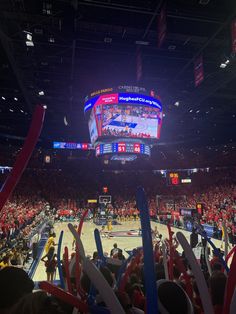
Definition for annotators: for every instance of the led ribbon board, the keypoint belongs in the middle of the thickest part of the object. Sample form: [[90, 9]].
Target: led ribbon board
[[122, 148], [123, 98], [72, 145]]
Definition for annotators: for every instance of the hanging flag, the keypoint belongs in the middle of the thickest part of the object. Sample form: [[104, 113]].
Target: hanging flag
[[198, 70], [139, 64], [233, 34], [161, 26]]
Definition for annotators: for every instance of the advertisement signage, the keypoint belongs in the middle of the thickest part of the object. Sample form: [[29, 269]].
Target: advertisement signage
[[72, 145], [129, 98]]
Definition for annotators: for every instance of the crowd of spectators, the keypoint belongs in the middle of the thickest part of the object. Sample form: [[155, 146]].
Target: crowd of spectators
[[126, 132], [180, 294], [68, 191], [18, 219]]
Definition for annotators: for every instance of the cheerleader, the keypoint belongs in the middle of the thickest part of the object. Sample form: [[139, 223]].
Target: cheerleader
[[50, 263]]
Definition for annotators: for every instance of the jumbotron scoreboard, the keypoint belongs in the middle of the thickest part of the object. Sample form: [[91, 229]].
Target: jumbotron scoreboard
[[124, 122], [122, 148]]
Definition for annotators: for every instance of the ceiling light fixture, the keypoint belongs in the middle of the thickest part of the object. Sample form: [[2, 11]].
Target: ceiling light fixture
[[15, 98], [29, 43], [176, 104], [108, 40], [223, 65], [41, 93], [3, 98], [29, 39], [141, 42]]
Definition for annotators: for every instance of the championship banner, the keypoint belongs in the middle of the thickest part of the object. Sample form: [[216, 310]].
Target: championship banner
[[161, 26], [233, 34], [198, 71], [139, 64]]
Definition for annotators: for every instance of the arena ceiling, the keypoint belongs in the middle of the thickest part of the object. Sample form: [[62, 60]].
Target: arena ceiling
[[81, 46]]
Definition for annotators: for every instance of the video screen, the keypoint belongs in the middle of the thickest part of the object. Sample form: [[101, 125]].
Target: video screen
[[132, 121], [92, 127]]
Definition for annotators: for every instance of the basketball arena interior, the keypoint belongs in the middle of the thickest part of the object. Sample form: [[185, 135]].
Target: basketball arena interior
[[117, 157]]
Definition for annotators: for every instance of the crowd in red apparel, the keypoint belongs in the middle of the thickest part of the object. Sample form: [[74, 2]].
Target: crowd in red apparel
[[64, 191], [126, 133], [68, 193], [21, 214]]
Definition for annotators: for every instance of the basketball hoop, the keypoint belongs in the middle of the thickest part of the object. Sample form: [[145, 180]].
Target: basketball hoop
[[105, 199], [105, 203]]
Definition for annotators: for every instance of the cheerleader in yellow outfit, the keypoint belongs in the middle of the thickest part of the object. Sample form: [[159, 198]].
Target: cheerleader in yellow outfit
[[50, 243], [109, 225]]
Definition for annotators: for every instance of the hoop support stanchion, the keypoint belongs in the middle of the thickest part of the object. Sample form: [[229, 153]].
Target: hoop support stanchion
[[149, 270]]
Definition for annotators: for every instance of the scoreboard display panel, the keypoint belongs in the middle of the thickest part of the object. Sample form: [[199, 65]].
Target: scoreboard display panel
[[122, 148], [124, 122], [173, 178], [127, 112]]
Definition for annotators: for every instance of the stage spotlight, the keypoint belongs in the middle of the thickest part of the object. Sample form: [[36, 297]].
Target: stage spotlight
[[41, 93], [45, 106], [176, 104], [15, 98], [3, 98]]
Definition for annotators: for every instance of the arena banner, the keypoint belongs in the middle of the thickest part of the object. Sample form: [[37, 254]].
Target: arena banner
[[161, 26], [198, 70], [233, 35], [139, 64]]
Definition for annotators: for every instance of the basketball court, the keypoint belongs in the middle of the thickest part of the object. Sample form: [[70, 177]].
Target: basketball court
[[135, 124], [125, 235]]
